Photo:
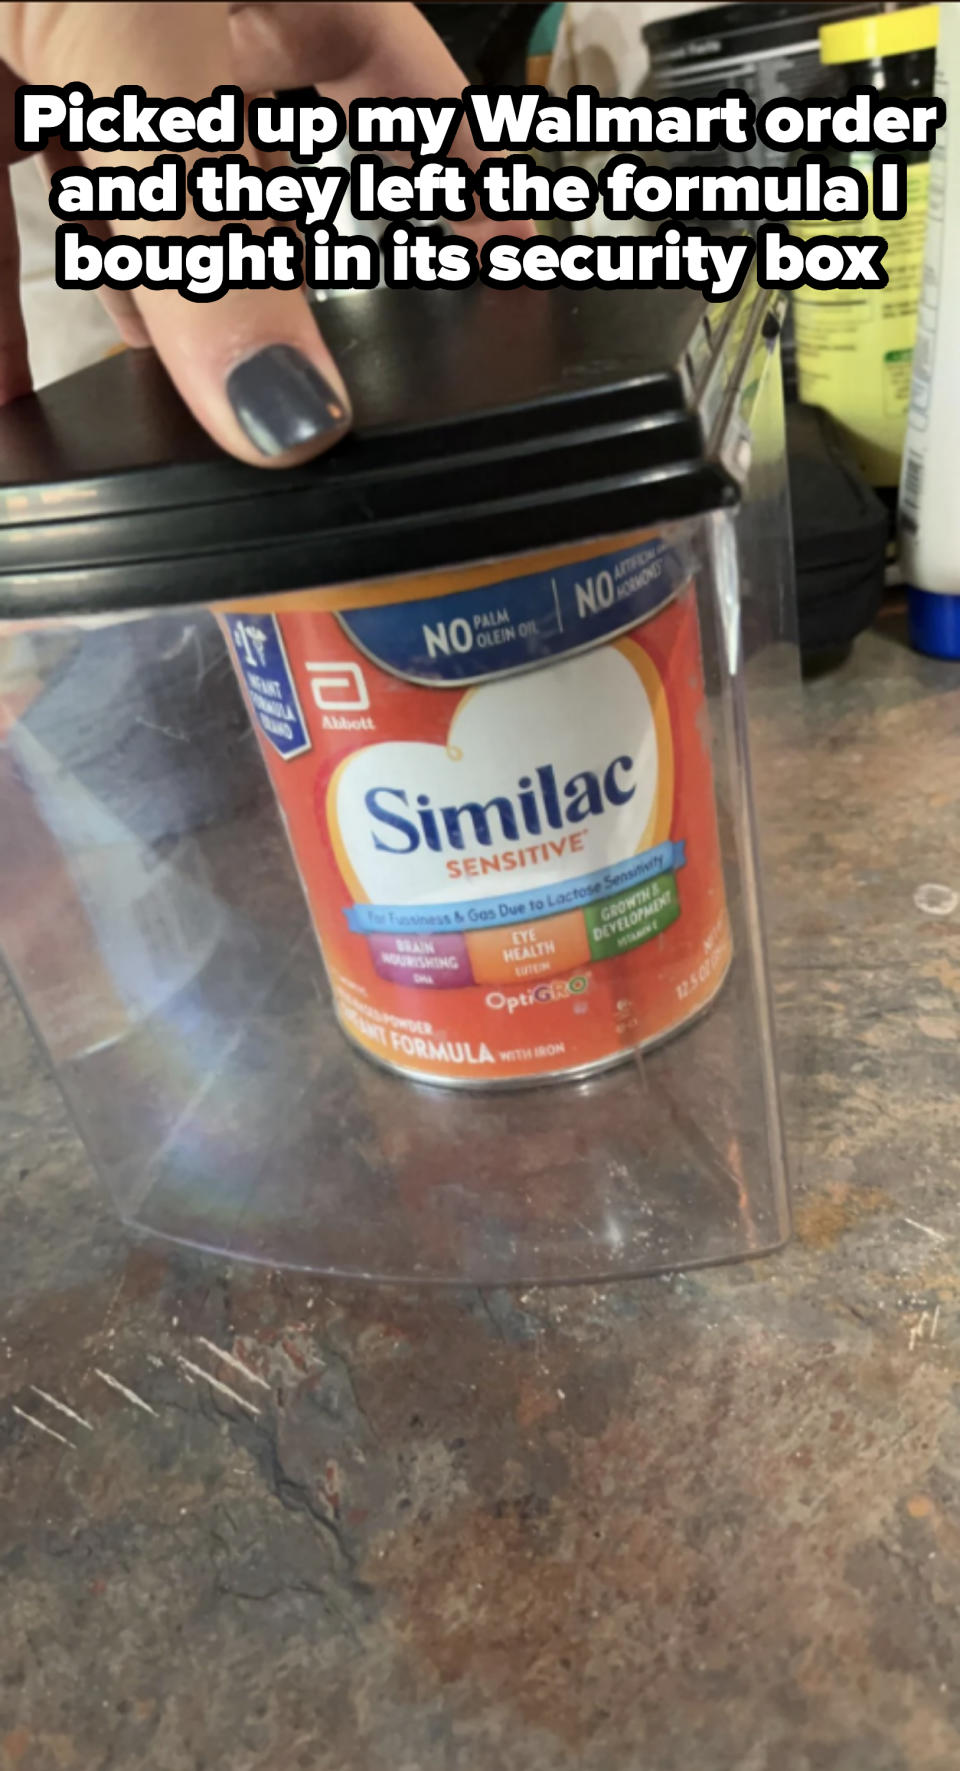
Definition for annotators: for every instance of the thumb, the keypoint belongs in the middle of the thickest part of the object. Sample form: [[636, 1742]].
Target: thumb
[[254, 369], [252, 364]]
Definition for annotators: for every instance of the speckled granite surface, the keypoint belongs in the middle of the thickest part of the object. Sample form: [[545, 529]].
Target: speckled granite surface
[[703, 1524]]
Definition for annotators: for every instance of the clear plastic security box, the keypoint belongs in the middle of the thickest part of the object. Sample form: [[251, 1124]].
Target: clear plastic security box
[[379, 869]]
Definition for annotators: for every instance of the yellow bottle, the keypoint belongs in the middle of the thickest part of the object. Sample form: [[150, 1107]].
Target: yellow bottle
[[855, 347]]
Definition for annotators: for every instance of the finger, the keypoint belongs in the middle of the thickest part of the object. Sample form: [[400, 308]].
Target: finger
[[357, 49], [268, 159], [121, 307], [251, 365], [14, 360], [125, 315]]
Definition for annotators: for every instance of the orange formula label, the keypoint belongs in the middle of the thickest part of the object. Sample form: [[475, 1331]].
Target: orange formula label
[[498, 790]]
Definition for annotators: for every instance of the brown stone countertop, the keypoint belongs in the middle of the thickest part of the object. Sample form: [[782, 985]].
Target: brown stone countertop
[[710, 1523]]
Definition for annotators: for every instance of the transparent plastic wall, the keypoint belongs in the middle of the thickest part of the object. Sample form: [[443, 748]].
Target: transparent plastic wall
[[156, 923]]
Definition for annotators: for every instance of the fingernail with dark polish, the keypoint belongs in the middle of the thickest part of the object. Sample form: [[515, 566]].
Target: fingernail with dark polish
[[282, 401]]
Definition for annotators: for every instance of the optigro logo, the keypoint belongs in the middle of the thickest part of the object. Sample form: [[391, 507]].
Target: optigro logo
[[553, 991]]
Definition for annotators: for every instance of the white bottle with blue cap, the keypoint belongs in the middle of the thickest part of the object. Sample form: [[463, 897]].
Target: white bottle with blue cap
[[930, 479]]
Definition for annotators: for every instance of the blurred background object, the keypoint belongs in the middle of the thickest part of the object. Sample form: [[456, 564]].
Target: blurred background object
[[929, 541], [854, 348]]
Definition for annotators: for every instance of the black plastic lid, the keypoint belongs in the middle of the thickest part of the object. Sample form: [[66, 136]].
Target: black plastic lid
[[487, 422]]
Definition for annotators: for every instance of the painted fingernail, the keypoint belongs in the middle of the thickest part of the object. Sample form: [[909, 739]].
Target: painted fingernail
[[282, 401]]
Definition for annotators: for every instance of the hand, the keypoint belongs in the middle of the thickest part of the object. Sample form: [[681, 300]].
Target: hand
[[252, 366]]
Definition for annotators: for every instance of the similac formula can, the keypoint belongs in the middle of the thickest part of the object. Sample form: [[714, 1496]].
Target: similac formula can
[[497, 785]]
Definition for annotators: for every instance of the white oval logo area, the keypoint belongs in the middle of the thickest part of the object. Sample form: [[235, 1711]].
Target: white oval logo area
[[530, 762]]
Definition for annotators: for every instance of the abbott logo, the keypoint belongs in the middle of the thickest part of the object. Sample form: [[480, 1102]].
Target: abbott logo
[[339, 687]]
